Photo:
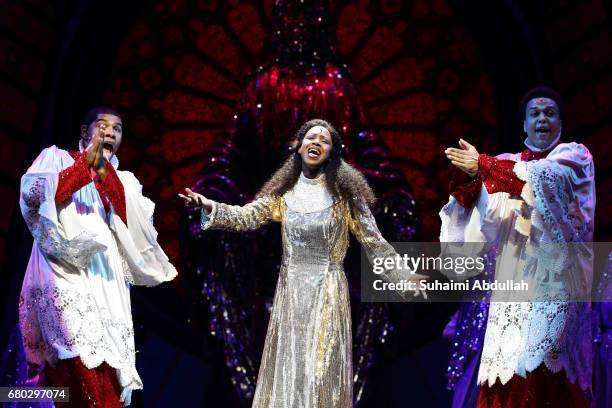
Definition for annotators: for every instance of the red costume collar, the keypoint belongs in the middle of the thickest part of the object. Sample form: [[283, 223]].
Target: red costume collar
[[529, 155], [111, 190]]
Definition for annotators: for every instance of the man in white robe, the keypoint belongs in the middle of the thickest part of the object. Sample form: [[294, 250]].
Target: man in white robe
[[93, 238], [537, 209]]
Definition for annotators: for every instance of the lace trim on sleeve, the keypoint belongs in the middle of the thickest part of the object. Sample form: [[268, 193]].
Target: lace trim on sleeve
[[553, 202], [77, 251]]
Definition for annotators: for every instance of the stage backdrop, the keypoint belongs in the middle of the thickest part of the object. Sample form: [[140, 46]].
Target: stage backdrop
[[183, 67]]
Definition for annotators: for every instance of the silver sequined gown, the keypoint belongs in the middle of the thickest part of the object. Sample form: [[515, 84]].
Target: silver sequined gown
[[306, 359]]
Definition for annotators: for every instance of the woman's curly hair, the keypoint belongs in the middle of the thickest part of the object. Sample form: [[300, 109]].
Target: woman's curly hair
[[343, 180]]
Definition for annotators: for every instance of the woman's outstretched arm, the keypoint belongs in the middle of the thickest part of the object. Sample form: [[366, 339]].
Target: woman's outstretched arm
[[248, 217]]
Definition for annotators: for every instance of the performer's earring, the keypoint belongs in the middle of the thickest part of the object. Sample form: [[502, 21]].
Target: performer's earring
[[293, 145]]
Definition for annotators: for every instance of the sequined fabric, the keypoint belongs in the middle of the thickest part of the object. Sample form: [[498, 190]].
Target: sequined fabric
[[72, 178], [76, 176], [310, 189], [529, 155], [541, 388], [89, 388], [248, 217], [464, 188], [112, 193], [498, 175], [307, 357]]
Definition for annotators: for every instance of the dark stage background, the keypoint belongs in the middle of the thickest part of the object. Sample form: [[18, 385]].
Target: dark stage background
[[184, 75]]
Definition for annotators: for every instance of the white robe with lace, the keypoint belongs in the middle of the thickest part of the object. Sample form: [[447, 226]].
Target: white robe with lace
[[75, 298], [542, 237]]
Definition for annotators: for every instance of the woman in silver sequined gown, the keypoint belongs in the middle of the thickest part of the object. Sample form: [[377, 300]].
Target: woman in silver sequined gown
[[318, 198]]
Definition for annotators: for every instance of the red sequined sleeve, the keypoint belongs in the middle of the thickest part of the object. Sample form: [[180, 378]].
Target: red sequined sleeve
[[464, 188], [72, 178], [498, 175]]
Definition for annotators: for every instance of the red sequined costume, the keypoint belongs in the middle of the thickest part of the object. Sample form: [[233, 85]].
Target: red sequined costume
[[96, 387]]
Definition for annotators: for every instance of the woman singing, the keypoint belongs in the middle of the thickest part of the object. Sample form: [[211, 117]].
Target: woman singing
[[318, 198]]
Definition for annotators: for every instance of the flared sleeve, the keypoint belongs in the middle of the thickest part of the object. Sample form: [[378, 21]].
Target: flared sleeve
[[248, 217], [479, 223], [561, 190], [472, 231], [146, 262], [39, 210], [362, 225]]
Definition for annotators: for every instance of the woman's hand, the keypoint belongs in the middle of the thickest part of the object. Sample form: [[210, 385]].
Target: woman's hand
[[417, 278], [465, 159], [193, 199]]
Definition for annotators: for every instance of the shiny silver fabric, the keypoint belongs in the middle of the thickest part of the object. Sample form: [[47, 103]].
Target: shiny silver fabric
[[306, 359]]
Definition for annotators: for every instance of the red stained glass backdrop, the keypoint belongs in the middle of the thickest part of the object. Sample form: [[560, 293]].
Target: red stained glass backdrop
[[183, 66]]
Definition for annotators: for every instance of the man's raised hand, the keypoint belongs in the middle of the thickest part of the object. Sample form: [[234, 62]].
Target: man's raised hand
[[95, 154], [465, 158]]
